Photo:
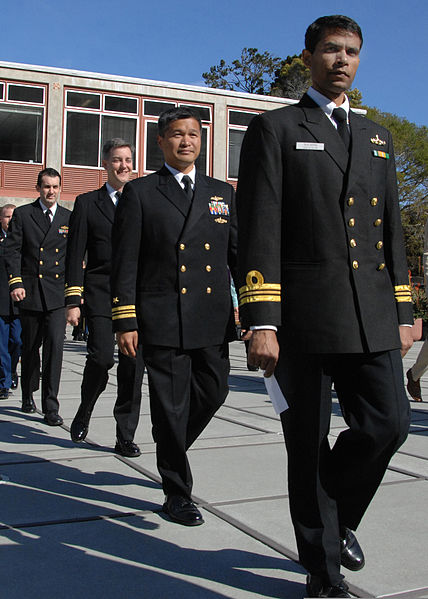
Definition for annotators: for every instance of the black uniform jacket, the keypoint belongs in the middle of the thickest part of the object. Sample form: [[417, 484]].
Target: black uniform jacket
[[170, 266], [35, 256], [321, 243], [7, 306], [91, 225]]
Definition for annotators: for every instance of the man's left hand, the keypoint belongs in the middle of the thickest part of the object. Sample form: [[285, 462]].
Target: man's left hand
[[406, 339]]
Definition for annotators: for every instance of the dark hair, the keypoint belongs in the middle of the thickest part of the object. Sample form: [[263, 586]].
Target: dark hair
[[315, 31], [48, 172], [116, 142], [175, 114]]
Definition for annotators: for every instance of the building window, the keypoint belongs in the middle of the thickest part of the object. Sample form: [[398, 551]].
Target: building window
[[238, 123], [21, 123], [91, 119]]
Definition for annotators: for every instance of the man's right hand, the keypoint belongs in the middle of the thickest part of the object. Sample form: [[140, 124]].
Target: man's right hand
[[263, 350], [127, 342], [72, 315], [18, 294]]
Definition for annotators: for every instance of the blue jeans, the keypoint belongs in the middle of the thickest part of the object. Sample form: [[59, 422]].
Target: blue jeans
[[10, 349]]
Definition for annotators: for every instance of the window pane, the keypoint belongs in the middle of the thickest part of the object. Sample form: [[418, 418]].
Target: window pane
[[1, 90], [114, 126], [235, 143], [154, 156], [201, 163], [119, 104], [83, 100], [204, 113], [21, 133], [82, 141], [24, 93], [156, 108], [241, 118]]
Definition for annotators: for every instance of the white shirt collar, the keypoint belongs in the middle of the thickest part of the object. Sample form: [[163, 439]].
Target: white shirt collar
[[327, 105], [112, 193], [178, 175], [45, 208]]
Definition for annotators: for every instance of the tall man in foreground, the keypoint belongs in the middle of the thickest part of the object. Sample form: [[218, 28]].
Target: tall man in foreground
[[91, 226], [173, 241], [323, 284], [35, 261]]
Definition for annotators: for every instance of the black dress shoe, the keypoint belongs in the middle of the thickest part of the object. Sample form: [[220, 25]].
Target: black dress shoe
[[351, 554], [128, 449], [4, 393], [53, 419], [28, 406], [78, 431], [14, 384], [315, 587], [182, 510]]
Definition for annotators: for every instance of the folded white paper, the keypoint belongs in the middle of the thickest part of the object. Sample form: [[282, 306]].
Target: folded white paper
[[276, 396]]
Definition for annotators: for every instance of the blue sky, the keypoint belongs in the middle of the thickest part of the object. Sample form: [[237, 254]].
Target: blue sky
[[177, 41]]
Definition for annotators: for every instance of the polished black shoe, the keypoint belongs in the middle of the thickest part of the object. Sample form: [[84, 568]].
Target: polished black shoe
[[14, 384], [28, 406], [315, 587], [128, 449], [4, 393], [78, 431], [182, 510], [53, 419], [351, 554]]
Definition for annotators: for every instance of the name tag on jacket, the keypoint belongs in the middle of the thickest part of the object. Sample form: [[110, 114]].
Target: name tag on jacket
[[307, 145]]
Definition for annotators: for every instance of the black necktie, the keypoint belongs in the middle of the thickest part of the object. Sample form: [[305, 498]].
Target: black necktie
[[48, 214], [187, 182], [340, 117]]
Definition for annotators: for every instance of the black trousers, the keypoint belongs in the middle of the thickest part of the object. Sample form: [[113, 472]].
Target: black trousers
[[44, 329], [330, 487], [187, 387], [130, 373]]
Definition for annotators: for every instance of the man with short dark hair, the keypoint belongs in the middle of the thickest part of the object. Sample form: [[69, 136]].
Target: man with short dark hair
[[91, 226], [174, 241], [10, 326], [35, 260], [324, 286]]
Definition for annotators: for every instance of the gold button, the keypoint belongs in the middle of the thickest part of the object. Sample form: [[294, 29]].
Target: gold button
[[182, 246], [355, 265], [183, 290], [209, 289], [57, 276], [56, 263], [208, 268], [40, 261], [207, 246], [351, 201], [40, 276], [352, 243], [57, 250], [41, 249], [379, 245], [381, 266], [183, 268], [373, 201], [377, 222], [351, 222]]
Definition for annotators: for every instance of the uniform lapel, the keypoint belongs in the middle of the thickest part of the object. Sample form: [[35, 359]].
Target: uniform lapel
[[200, 201], [105, 204], [360, 154], [39, 217], [317, 123], [172, 191]]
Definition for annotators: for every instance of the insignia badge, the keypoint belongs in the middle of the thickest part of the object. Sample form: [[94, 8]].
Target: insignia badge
[[218, 207], [63, 230], [220, 220], [376, 140], [380, 154], [115, 300]]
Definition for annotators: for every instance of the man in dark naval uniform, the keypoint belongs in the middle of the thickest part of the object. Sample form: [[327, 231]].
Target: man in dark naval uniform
[[91, 226], [35, 261], [324, 286], [173, 245]]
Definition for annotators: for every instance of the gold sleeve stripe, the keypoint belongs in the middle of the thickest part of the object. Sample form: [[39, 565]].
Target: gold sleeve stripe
[[129, 314], [403, 293], [15, 280], [256, 290], [118, 309], [403, 288], [259, 298], [73, 291]]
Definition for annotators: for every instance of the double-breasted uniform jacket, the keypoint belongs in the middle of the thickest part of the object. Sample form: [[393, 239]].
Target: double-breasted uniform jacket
[[322, 252], [91, 225], [7, 306], [35, 256], [171, 263]]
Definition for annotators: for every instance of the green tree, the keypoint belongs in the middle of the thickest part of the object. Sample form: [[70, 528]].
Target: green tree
[[292, 78], [253, 72]]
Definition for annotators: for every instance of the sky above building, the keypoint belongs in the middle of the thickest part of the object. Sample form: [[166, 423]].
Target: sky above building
[[177, 41]]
